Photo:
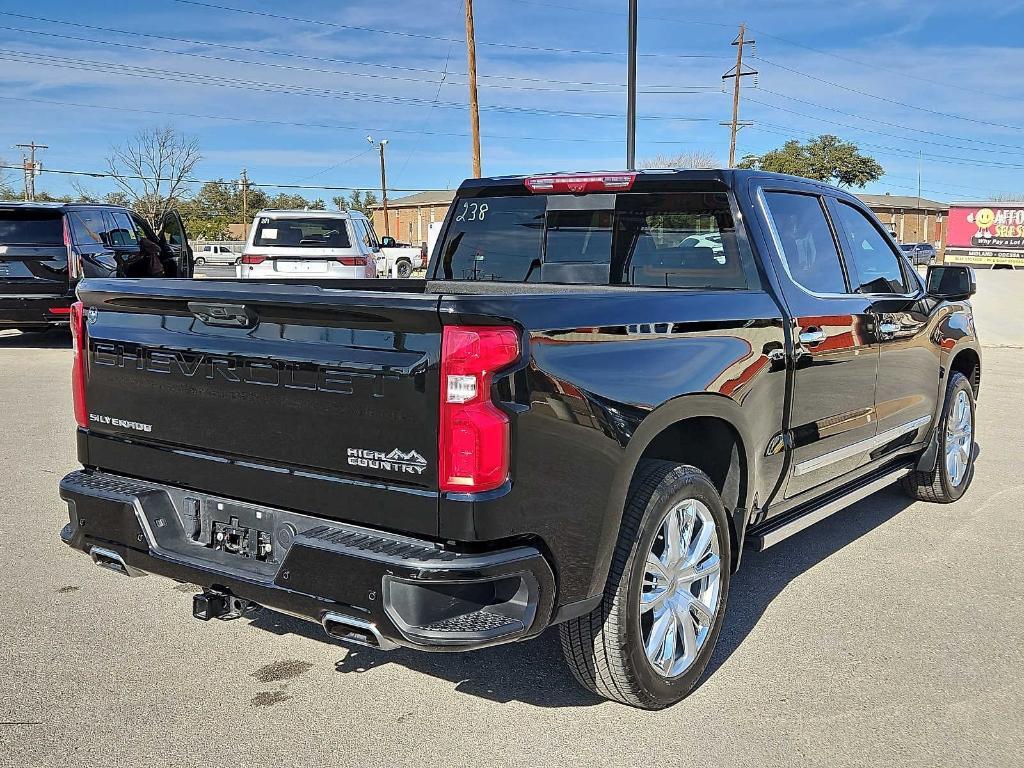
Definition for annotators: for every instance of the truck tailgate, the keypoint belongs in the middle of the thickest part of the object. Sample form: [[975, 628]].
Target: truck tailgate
[[298, 380]]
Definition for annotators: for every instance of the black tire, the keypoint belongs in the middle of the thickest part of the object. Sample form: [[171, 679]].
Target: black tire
[[403, 269], [937, 486], [604, 649], [200, 261]]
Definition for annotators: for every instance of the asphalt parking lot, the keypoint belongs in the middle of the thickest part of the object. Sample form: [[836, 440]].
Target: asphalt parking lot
[[889, 634]]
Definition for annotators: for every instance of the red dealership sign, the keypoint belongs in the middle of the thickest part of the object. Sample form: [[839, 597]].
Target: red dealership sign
[[994, 226]]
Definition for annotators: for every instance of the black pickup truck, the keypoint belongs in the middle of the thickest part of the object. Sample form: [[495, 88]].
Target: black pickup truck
[[606, 387]]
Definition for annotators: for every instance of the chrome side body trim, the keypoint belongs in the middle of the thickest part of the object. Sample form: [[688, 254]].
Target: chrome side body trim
[[862, 446]]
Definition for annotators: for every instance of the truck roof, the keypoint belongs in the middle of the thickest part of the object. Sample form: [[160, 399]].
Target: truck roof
[[649, 177]]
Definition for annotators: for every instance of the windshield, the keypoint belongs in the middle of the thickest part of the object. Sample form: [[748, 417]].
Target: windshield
[[313, 232], [907, 248], [681, 240], [31, 228]]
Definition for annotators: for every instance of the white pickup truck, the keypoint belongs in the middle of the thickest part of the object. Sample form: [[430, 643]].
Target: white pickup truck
[[395, 259]]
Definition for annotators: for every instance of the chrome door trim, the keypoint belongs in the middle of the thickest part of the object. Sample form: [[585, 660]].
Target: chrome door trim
[[862, 446]]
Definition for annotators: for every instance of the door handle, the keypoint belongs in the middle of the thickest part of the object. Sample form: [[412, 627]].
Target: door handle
[[812, 336], [888, 329]]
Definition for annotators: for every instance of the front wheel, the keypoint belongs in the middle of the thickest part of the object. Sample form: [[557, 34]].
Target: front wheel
[[649, 640], [954, 466]]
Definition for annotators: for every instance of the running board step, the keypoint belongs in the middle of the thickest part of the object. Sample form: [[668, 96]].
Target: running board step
[[777, 530]]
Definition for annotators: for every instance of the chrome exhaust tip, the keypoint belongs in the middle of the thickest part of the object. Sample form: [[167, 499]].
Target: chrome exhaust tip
[[112, 561], [358, 631]]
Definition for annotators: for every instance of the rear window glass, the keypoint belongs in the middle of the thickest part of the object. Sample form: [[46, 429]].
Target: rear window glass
[[31, 228], [676, 240], [301, 233]]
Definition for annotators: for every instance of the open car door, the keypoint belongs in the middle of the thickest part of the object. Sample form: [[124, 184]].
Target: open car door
[[173, 235]]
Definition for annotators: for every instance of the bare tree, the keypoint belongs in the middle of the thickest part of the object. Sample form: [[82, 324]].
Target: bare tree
[[152, 169], [7, 192], [698, 158]]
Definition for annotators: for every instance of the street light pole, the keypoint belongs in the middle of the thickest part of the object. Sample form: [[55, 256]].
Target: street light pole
[[631, 91]]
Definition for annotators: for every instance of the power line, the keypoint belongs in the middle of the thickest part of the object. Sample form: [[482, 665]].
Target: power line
[[872, 120], [128, 177], [300, 56], [886, 98], [902, 152], [439, 38], [603, 12], [881, 68], [272, 87], [841, 57], [326, 126], [924, 142], [568, 88]]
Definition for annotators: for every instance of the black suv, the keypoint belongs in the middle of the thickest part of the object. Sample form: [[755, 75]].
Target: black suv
[[46, 248]]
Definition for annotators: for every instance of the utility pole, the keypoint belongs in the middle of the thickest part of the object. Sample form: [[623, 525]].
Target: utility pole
[[383, 184], [631, 91], [737, 73], [245, 196], [29, 167], [474, 106]]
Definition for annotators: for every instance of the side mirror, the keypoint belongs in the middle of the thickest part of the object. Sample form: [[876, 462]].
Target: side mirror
[[387, 242], [951, 281]]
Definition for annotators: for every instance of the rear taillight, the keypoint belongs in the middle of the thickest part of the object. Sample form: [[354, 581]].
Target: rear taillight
[[74, 266], [253, 259], [423, 256], [580, 183], [473, 442], [59, 311], [81, 343], [368, 263]]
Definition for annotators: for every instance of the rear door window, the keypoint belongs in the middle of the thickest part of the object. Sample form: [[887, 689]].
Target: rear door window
[[90, 227], [123, 234], [809, 251], [299, 232]]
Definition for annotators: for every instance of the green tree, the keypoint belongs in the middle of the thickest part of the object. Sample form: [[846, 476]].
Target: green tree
[[826, 158], [357, 201]]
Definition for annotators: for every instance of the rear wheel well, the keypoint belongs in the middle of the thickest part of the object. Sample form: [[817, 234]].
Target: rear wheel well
[[968, 363], [714, 446]]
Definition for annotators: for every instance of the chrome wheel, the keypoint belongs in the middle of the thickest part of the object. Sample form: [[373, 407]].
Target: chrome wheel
[[959, 438], [680, 594]]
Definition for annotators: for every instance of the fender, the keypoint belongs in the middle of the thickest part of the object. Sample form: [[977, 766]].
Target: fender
[[678, 409], [953, 334]]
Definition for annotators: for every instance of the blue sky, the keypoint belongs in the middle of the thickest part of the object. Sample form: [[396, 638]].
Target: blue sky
[[292, 99]]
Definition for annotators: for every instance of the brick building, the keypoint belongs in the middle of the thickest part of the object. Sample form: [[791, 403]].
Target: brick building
[[912, 219], [410, 217]]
